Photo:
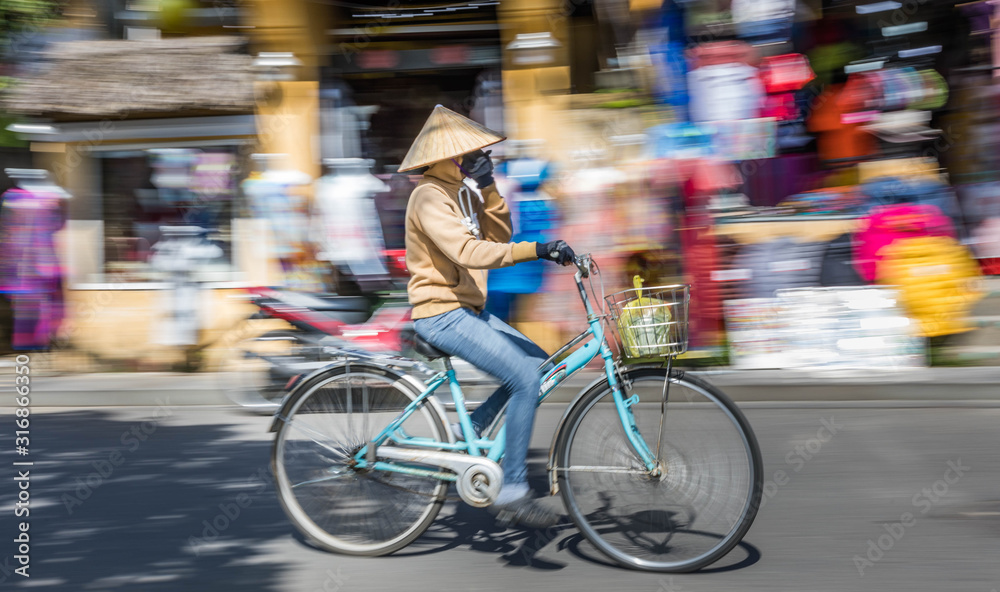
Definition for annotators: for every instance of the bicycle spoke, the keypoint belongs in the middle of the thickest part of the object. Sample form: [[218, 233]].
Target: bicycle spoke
[[338, 475], [350, 408], [341, 508], [315, 436], [585, 469]]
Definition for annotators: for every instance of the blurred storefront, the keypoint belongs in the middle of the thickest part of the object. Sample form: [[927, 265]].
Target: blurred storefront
[[737, 145], [144, 143]]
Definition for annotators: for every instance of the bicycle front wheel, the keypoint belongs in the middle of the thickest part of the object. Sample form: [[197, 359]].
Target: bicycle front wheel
[[705, 496], [339, 507]]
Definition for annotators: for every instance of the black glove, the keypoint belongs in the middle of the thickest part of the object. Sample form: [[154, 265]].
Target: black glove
[[478, 166], [557, 251]]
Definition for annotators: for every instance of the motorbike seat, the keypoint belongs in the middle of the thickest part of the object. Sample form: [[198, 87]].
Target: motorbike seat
[[425, 349]]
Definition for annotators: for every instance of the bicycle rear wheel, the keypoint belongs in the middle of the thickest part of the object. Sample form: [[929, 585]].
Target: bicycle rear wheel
[[704, 501], [341, 508]]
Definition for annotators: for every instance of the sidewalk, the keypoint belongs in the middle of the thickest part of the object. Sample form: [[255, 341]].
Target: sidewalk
[[917, 385]]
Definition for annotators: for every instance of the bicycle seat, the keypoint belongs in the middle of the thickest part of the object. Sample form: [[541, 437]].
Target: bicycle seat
[[426, 349]]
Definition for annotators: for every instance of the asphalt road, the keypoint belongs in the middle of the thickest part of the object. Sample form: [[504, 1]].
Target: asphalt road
[[897, 499]]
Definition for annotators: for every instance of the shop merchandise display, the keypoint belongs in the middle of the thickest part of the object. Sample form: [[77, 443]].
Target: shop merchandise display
[[842, 327], [827, 201], [172, 174], [936, 278], [783, 76], [892, 89], [777, 179], [753, 332], [779, 264], [888, 224], [837, 268], [177, 255], [985, 243], [725, 91], [837, 137], [212, 175], [892, 190]]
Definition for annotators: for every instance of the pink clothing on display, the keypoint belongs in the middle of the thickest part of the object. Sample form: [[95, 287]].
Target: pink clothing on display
[[887, 224]]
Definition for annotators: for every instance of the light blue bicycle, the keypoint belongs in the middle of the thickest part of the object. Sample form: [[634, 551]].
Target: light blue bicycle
[[659, 470]]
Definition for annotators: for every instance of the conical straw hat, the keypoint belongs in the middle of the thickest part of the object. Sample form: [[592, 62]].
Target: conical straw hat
[[447, 135]]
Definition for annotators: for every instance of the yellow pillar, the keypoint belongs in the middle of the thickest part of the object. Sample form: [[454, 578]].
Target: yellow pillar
[[297, 26], [535, 96], [535, 99]]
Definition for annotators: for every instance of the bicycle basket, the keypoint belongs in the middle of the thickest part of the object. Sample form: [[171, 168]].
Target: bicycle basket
[[651, 322]]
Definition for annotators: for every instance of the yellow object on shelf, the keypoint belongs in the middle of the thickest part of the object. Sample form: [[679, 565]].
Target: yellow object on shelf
[[937, 279]]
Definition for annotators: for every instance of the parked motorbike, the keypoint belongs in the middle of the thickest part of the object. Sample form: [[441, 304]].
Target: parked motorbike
[[323, 328], [260, 368]]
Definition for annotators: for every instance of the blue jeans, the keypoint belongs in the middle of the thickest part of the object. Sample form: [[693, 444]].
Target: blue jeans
[[501, 351]]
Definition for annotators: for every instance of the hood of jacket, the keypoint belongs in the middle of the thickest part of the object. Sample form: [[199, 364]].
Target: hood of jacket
[[446, 173]]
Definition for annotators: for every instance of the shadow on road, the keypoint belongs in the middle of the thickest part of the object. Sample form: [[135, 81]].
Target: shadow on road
[[472, 528], [142, 504], [145, 505]]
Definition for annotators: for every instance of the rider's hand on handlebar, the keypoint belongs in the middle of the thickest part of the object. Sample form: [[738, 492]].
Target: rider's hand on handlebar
[[557, 251]]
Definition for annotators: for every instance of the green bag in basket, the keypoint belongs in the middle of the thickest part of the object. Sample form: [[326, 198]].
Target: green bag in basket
[[643, 323]]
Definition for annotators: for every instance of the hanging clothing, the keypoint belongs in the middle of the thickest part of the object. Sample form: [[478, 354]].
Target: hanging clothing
[[763, 21], [184, 314], [533, 216], [888, 224], [212, 175], [271, 197], [776, 179], [836, 139], [30, 271], [346, 226], [724, 92]]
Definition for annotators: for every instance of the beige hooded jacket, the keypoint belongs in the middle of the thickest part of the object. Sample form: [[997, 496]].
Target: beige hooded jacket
[[443, 256]]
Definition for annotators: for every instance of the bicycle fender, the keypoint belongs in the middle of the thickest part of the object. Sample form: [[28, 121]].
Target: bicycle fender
[[303, 385]]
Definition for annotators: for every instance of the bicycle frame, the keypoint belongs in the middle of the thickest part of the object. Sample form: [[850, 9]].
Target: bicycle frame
[[493, 449]]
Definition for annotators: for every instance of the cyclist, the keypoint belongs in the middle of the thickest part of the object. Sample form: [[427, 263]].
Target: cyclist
[[452, 237]]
